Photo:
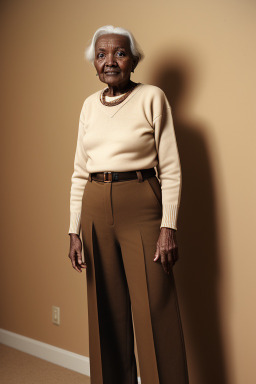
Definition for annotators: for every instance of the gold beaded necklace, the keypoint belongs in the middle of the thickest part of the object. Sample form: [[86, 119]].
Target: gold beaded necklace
[[117, 101]]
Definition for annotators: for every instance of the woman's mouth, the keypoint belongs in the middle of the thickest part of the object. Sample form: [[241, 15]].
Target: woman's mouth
[[111, 73]]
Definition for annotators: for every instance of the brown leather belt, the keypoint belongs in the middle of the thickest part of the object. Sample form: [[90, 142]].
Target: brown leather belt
[[109, 176]]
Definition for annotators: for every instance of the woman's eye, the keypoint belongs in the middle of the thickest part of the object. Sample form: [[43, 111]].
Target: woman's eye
[[120, 53], [100, 55]]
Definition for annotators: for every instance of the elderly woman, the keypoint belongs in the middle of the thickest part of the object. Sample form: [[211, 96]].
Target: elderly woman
[[127, 215]]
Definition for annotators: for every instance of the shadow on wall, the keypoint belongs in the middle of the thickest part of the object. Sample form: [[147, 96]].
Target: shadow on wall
[[198, 273]]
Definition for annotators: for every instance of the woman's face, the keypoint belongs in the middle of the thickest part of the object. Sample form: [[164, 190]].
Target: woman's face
[[113, 59]]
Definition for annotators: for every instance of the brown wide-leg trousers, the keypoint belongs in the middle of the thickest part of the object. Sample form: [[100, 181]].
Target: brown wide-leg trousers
[[120, 225]]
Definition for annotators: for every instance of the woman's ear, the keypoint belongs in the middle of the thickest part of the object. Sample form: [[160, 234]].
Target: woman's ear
[[135, 63]]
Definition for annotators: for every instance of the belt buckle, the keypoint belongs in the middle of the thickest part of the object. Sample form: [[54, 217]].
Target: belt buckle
[[106, 180]]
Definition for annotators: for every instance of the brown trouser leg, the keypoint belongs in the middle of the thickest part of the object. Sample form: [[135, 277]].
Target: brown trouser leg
[[120, 228]]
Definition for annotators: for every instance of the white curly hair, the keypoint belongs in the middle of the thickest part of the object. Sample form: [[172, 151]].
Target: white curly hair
[[107, 29]]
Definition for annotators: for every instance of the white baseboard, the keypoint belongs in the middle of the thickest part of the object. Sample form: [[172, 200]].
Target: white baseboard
[[47, 352], [55, 355]]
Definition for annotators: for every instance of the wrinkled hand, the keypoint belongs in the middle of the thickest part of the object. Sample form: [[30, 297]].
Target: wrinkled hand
[[167, 248], [75, 252]]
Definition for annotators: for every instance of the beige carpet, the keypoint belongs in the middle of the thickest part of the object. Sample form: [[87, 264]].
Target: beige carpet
[[21, 368]]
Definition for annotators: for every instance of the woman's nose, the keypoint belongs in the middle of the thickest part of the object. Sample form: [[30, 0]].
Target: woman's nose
[[110, 60]]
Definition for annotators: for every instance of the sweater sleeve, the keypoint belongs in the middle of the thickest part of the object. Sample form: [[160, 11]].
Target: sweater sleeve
[[79, 179], [168, 168]]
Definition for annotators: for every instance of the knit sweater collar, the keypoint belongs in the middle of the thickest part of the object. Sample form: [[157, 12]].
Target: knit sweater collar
[[111, 111]]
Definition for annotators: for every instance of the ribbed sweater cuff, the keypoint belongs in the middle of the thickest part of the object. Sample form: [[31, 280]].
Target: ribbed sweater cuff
[[169, 216], [75, 219]]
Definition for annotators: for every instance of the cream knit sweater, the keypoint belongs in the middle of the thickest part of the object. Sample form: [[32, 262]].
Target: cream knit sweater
[[135, 134]]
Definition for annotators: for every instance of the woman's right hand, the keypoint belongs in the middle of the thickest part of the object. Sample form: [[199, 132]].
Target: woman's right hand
[[75, 252]]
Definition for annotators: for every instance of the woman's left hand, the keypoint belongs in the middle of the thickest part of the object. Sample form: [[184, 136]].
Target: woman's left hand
[[167, 248]]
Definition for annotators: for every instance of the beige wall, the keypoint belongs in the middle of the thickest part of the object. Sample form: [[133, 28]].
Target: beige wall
[[202, 54]]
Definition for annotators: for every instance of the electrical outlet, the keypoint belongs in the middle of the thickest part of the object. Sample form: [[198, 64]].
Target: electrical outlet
[[56, 315]]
